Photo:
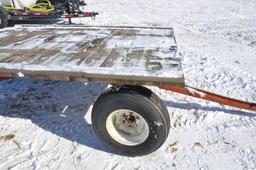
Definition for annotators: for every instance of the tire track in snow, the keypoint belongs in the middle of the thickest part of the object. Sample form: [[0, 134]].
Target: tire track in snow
[[219, 139]]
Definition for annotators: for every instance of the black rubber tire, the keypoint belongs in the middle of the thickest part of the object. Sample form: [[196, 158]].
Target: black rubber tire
[[4, 22], [3, 18], [140, 100]]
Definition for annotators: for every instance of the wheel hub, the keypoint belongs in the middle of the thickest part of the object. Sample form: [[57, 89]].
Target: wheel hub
[[130, 119], [127, 127]]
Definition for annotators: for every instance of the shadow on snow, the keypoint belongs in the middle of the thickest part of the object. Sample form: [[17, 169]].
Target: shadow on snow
[[60, 107], [56, 106]]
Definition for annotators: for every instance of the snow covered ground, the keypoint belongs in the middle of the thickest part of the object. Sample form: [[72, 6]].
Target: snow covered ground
[[46, 124]]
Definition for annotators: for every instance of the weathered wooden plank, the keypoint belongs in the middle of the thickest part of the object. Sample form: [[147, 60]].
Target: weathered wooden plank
[[91, 77]]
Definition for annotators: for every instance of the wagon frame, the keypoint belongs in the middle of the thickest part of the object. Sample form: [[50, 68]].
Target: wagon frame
[[128, 117]]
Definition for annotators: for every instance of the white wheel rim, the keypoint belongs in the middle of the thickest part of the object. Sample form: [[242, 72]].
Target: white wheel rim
[[127, 127]]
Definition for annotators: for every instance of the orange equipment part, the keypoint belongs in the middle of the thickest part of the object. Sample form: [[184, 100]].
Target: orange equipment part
[[190, 91], [5, 78]]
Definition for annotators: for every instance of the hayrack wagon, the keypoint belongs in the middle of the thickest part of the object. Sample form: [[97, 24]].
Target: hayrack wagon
[[128, 117]]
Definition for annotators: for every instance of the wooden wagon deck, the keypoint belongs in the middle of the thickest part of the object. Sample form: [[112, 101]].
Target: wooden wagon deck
[[126, 55]]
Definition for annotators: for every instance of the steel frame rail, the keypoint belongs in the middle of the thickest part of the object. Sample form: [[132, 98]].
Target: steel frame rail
[[201, 94]]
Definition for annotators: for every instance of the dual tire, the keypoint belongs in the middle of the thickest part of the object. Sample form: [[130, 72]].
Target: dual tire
[[131, 120]]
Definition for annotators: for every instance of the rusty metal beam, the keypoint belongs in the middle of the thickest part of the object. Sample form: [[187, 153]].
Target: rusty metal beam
[[194, 92], [5, 78]]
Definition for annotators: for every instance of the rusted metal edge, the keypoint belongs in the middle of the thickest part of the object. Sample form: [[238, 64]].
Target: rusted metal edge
[[194, 92], [5, 78]]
